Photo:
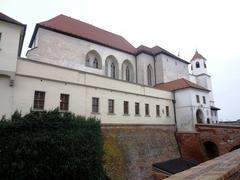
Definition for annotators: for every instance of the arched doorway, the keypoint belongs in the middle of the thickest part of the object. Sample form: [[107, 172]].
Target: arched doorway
[[211, 149], [200, 116]]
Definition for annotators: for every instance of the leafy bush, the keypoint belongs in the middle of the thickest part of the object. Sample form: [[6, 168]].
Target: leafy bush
[[51, 145]]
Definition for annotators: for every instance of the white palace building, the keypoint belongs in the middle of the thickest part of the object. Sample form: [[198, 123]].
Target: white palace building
[[80, 68]]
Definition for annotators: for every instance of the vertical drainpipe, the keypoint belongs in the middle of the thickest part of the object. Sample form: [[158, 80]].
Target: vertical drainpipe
[[174, 110], [136, 69], [155, 69], [175, 119]]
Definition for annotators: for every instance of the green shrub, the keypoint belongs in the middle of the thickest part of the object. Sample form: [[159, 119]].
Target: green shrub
[[51, 145]]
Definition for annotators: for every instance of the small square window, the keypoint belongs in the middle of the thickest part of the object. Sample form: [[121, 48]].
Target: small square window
[[147, 109], [137, 107], [125, 107], [39, 99], [197, 98], [167, 111], [110, 106], [64, 102], [157, 110], [95, 105], [204, 100]]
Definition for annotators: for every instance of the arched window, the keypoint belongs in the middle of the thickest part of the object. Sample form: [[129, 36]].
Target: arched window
[[93, 59], [197, 65], [111, 67], [113, 71], [149, 75], [95, 63], [127, 74], [127, 71]]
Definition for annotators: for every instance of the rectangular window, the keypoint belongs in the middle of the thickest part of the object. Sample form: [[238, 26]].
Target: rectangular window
[[204, 100], [137, 107], [110, 106], [197, 98], [39, 98], [64, 102], [157, 110], [95, 105], [0, 36], [147, 109], [125, 107], [167, 110]]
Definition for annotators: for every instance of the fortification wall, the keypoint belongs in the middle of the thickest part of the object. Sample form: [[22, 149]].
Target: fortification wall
[[130, 150]]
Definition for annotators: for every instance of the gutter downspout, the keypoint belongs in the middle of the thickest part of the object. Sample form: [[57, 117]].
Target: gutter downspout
[[175, 119], [136, 69], [174, 110]]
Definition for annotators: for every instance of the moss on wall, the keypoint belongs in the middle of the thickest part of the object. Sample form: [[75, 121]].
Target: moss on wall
[[131, 150]]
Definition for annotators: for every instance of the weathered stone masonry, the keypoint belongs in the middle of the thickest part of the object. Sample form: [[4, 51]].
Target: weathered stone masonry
[[130, 150]]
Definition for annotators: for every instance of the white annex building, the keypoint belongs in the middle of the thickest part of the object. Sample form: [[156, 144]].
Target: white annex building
[[92, 72]]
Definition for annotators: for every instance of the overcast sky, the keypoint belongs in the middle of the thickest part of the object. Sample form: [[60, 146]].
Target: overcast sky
[[210, 26]]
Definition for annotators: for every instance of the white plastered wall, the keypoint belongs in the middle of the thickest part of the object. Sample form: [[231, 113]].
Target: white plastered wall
[[173, 69], [63, 50], [187, 106], [10, 34], [82, 87], [143, 60]]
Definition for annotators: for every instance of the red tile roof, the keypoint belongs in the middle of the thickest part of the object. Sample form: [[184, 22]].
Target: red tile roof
[[197, 56], [6, 18], [72, 27], [179, 84]]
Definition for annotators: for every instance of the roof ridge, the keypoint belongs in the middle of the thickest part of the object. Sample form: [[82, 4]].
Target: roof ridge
[[92, 25]]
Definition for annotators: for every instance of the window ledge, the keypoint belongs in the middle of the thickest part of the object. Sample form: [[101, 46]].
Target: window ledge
[[38, 110], [137, 115], [95, 113], [147, 116], [126, 114], [111, 114], [63, 111]]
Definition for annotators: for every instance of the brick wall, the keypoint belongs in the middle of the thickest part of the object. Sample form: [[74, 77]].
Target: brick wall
[[190, 146], [193, 147], [130, 150]]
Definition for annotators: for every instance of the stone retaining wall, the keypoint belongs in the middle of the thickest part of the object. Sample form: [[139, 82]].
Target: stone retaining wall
[[130, 150]]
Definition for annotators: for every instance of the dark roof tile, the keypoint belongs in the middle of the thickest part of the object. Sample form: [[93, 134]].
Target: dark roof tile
[[6, 18]]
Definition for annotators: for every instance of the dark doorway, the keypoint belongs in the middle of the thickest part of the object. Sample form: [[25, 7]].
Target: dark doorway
[[200, 116], [208, 120], [234, 148], [211, 149]]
